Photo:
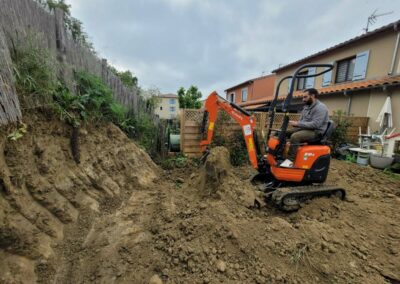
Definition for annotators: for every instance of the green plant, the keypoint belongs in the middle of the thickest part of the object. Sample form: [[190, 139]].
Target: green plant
[[126, 77], [69, 106], [146, 131], [72, 24], [219, 138], [234, 142], [34, 68], [189, 98], [178, 161], [98, 101], [342, 123], [298, 253], [238, 150], [18, 133], [350, 158], [389, 172]]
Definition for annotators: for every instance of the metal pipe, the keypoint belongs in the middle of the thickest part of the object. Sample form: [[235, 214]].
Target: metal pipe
[[349, 105], [396, 48]]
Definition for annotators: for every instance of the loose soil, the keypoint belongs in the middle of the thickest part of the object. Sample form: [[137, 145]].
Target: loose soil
[[116, 217]]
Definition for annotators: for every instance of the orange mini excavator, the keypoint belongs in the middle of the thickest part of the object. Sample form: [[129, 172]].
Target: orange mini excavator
[[287, 188]]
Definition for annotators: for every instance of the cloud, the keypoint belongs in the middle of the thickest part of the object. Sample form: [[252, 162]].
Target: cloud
[[218, 44]]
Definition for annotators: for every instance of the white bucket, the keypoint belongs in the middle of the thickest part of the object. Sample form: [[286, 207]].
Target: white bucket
[[363, 158]]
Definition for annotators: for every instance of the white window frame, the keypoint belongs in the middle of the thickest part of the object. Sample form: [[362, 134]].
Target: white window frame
[[232, 97], [244, 94]]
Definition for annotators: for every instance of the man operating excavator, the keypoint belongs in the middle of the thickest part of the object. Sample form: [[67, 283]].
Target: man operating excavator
[[312, 124]]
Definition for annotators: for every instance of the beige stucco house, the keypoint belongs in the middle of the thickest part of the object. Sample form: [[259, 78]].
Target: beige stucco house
[[366, 71], [168, 106]]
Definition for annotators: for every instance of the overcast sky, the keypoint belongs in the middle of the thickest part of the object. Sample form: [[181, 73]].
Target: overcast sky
[[216, 44]]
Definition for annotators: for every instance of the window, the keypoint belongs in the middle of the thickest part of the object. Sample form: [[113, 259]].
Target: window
[[160, 108], [172, 109], [232, 97], [172, 101], [244, 94], [327, 77], [345, 70], [301, 82]]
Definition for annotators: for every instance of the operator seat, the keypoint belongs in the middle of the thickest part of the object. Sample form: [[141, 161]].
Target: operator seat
[[324, 139]]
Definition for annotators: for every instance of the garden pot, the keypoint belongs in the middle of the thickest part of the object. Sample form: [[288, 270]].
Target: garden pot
[[396, 158], [395, 168], [379, 162], [174, 142]]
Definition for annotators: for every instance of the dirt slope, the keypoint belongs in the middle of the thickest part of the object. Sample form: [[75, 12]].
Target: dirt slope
[[117, 218], [45, 195]]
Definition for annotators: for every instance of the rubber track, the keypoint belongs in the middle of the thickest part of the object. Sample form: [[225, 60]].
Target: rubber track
[[301, 193]]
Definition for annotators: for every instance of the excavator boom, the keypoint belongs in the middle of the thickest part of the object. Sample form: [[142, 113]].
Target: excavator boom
[[213, 103]]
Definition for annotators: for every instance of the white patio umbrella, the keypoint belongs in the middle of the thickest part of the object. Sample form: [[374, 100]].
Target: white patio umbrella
[[385, 117]]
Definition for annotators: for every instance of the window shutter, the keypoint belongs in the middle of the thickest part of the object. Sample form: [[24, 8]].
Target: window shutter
[[310, 81], [360, 68], [327, 78], [341, 71]]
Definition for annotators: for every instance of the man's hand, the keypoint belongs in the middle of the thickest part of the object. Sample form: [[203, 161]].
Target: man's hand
[[293, 123]]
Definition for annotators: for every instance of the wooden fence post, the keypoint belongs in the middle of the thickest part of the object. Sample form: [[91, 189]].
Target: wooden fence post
[[9, 104], [104, 71], [61, 45], [182, 129]]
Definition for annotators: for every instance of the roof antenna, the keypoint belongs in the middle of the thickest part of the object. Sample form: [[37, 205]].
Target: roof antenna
[[373, 18]]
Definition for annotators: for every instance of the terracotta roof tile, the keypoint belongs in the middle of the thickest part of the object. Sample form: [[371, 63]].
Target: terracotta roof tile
[[254, 106], [254, 102], [351, 86], [172, 96]]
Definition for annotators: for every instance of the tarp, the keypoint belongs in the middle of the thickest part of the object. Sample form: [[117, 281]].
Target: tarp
[[385, 117]]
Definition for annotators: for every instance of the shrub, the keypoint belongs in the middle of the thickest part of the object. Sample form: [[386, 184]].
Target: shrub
[[146, 131], [179, 161], [342, 124], [238, 150], [34, 69], [235, 142]]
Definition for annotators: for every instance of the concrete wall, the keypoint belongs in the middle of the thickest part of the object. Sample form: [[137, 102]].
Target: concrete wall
[[238, 93], [381, 49], [259, 88], [335, 103], [264, 88], [366, 104], [163, 109]]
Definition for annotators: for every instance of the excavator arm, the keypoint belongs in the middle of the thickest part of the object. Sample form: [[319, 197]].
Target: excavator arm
[[213, 103]]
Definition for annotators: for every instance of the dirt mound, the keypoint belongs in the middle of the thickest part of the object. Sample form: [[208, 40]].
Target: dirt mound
[[217, 179], [43, 191], [116, 217], [214, 240]]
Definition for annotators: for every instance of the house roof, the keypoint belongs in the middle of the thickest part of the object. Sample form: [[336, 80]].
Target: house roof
[[339, 88], [249, 81], [171, 96], [392, 26], [254, 102], [360, 85], [251, 107]]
